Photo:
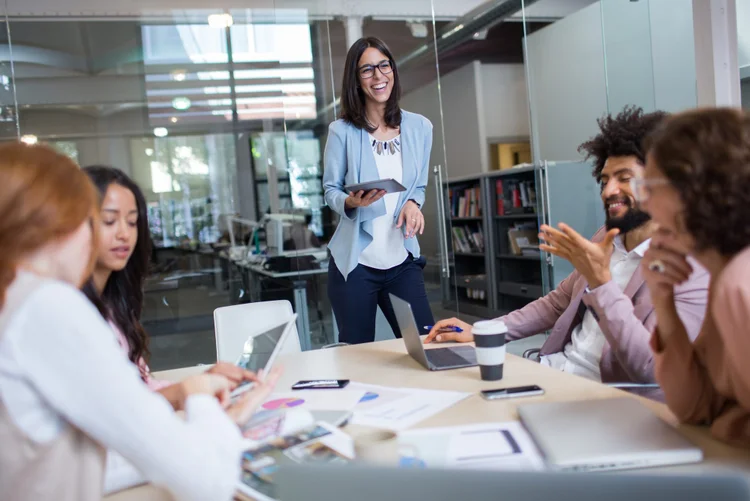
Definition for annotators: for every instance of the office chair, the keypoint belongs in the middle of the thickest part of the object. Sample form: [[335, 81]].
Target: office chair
[[528, 354]]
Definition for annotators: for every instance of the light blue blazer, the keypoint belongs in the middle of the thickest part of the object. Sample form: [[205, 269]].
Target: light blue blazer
[[349, 160]]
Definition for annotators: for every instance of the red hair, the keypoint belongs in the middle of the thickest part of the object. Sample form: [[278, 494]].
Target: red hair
[[44, 196]]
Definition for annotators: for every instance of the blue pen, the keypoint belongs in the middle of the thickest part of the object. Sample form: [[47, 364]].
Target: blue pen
[[452, 328]]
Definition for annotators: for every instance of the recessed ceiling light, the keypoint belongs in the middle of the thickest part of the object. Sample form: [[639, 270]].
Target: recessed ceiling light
[[220, 20], [178, 76], [161, 132], [173, 120], [29, 139], [181, 103], [149, 152]]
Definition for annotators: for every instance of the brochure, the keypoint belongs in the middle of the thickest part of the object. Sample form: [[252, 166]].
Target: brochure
[[319, 443]]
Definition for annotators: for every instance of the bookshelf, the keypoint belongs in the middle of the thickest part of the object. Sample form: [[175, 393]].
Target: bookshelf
[[467, 203], [486, 211]]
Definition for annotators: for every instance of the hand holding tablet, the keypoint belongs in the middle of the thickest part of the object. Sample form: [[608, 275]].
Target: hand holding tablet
[[366, 194]]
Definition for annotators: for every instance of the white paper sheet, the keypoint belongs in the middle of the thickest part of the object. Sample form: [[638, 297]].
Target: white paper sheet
[[315, 400], [489, 446], [399, 408]]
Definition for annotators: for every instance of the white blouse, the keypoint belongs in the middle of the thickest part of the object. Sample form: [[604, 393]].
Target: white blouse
[[387, 247], [60, 364]]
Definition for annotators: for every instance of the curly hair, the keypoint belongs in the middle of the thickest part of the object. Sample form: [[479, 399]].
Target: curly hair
[[705, 155], [621, 136]]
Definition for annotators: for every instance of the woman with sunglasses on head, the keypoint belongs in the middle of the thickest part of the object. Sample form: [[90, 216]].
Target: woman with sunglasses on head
[[374, 249], [123, 258], [67, 393], [697, 188]]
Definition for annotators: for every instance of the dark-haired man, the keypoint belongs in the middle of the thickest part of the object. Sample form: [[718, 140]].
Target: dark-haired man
[[601, 316]]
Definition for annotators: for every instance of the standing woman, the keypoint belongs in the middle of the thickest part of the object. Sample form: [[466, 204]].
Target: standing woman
[[374, 250]]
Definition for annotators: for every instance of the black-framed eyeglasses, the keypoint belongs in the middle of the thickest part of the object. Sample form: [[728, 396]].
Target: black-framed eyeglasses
[[368, 70]]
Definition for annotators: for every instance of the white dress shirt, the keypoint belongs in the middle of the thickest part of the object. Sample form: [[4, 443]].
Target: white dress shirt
[[583, 353], [60, 365], [387, 247]]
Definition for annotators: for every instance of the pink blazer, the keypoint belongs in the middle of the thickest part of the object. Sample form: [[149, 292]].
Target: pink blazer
[[626, 318]]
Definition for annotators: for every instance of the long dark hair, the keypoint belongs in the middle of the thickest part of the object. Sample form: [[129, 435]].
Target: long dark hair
[[352, 95], [121, 302]]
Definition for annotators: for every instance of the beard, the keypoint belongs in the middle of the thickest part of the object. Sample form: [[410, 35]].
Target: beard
[[633, 218]]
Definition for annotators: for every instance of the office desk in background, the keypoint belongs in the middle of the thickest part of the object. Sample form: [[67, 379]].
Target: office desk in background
[[299, 280], [387, 363]]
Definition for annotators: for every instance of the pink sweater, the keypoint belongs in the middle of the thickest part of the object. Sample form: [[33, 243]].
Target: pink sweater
[[153, 384]]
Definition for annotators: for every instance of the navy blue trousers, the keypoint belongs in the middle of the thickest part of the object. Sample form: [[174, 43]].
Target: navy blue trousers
[[356, 299]]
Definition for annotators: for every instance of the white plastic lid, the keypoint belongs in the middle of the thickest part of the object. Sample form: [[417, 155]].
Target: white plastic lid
[[486, 327]]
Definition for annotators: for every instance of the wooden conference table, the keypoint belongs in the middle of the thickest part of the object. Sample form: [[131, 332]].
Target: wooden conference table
[[387, 363]]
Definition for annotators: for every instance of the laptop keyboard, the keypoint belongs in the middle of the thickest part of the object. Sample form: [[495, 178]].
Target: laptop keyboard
[[444, 357]]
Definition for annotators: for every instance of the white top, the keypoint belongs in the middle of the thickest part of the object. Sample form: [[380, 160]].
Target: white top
[[583, 353], [387, 247], [60, 363]]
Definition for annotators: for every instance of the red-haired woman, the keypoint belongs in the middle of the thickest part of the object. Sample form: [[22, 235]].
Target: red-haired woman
[[66, 391]]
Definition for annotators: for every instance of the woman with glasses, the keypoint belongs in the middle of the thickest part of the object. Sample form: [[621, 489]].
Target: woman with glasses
[[697, 188], [374, 249]]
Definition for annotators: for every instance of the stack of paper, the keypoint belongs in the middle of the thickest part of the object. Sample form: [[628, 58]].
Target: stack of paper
[[399, 408], [489, 446]]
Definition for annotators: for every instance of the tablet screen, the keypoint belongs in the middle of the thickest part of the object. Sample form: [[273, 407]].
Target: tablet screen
[[258, 349]]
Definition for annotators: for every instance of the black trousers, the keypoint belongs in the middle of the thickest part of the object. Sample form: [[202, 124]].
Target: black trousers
[[356, 299]]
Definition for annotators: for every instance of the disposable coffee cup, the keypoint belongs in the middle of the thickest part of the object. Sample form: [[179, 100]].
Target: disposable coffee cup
[[377, 447], [489, 338]]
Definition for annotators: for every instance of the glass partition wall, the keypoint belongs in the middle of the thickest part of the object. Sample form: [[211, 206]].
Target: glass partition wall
[[221, 117]]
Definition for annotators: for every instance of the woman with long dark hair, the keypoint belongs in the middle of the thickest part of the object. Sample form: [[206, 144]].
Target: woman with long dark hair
[[374, 249], [116, 286], [124, 252]]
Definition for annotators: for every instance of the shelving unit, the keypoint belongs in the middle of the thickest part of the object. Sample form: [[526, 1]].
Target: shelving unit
[[509, 280], [467, 203]]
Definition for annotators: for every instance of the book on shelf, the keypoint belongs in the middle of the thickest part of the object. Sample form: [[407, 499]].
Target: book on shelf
[[465, 202], [523, 236], [468, 240], [515, 196]]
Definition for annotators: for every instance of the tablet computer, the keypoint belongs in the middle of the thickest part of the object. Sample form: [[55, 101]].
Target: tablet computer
[[261, 350], [389, 185]]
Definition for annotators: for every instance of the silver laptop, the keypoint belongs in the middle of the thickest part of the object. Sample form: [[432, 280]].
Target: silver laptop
[[605, 434], [434, 359], [340, 483]]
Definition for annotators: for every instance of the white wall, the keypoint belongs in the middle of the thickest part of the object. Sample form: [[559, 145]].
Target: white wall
[[608, 55], [505, 101], [567, 86]]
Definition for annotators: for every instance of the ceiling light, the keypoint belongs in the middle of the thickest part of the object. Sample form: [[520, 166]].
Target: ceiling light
[[173, 120], [220, 20], [149, 152], [480, 35], [178, 76], [161, 132], [418, 29], [29, 139], [181, 103]]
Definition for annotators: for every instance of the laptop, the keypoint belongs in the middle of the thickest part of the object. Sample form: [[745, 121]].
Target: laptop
[[604, 434], [434, 359], [345, 483], [261, 350]]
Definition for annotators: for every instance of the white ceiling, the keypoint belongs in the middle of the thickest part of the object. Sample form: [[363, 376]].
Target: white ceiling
[[181, 9]]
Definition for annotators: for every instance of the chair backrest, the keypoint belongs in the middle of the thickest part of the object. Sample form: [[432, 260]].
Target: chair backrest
[[235, 324]]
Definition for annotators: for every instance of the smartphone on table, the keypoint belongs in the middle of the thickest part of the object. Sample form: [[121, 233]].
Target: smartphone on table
[[321, 384], [514, 392]]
